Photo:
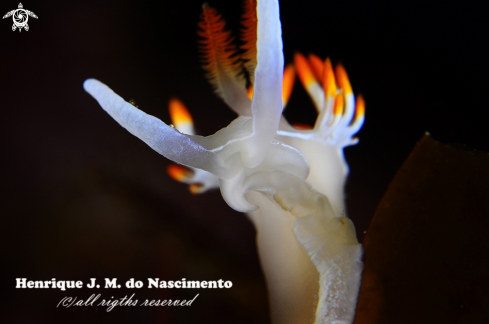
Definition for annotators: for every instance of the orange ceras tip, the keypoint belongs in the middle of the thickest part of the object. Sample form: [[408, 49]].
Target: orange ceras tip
[[304, 70], [339, 103], [329, 82], [288, 82], [195, 188], [178, 172], [179, 113], [343, 80], [301, 126], [250, 92], [316, 65], [359, 107]]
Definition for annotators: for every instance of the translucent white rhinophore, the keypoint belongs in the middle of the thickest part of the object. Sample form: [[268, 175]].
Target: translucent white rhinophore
[[289, 181]]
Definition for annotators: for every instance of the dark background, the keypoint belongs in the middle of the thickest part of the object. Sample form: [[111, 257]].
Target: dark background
[[82, 198]]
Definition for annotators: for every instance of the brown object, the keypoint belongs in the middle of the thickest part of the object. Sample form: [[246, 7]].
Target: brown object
[[427, 248]]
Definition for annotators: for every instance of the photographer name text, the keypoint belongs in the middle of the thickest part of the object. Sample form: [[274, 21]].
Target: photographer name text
[[23, 283]]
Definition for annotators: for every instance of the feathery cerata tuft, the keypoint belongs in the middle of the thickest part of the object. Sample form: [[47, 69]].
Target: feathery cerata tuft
[[219, 54], [248, 36]]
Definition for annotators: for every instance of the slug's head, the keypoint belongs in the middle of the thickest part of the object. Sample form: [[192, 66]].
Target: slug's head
[[340, 115], [254, 84]]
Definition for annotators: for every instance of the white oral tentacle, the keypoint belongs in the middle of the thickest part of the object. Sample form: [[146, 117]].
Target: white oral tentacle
[[159, 136]]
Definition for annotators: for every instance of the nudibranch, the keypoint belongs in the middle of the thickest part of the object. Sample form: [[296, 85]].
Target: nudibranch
[[288, 179]]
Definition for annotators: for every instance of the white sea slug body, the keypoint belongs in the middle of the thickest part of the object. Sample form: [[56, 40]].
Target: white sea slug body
[[289, 181]]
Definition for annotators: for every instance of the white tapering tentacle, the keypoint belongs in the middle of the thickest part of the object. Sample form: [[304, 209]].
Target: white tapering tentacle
[[267, 99], [159, 136]]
